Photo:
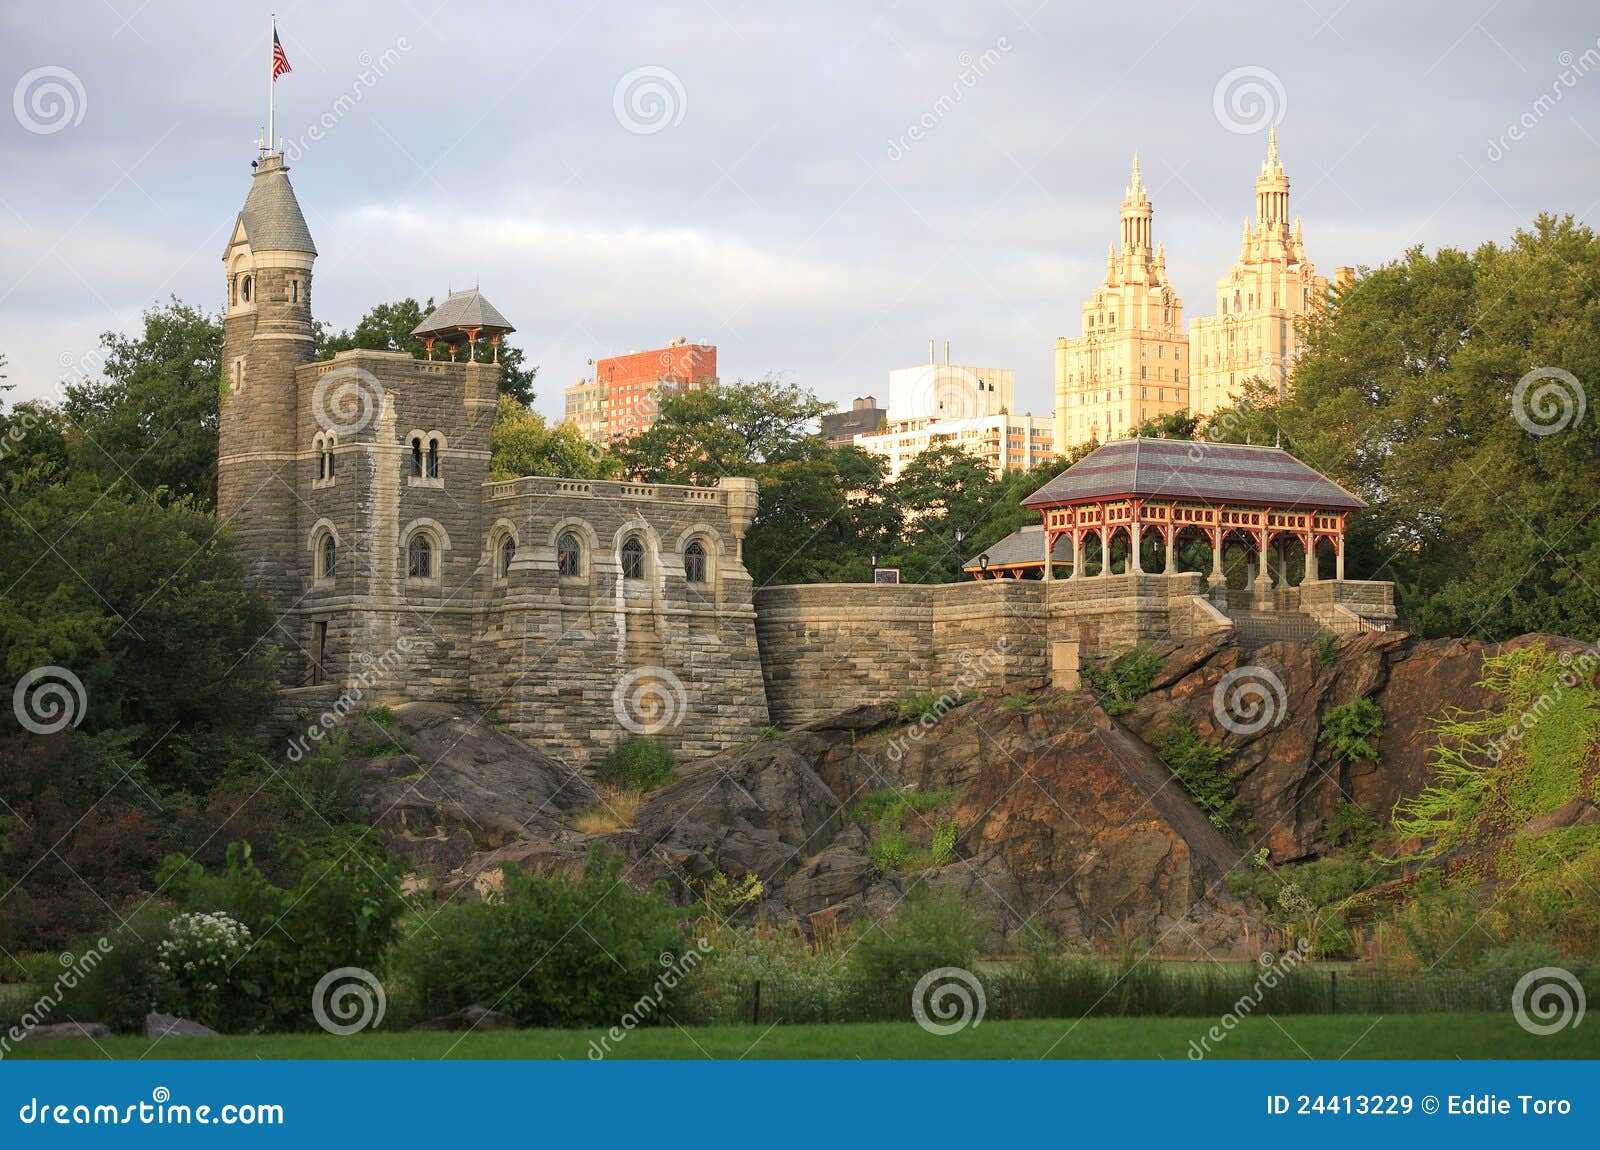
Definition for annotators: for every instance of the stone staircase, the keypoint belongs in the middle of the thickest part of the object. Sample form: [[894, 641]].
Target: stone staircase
[[1258, 628]]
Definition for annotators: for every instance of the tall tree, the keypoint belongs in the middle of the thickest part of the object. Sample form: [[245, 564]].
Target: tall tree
[[1451, 392], [524, 443], [151, 421]]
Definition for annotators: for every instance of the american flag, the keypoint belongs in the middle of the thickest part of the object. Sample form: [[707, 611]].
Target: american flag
[[280, 62]]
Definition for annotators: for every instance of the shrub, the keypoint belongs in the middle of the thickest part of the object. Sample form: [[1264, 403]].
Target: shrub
[[638, 764], [195, 961], [125, 985], [1198, 767], [929, 841], [340, 910], [549, 951], [1327, 648], [614, 810], [1351, 729], [930, 930], [1126, 679], [797, 983]]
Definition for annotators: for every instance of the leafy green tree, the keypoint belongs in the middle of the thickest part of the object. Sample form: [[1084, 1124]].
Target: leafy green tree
[[823, 510], [146, 606], [1408, 394], [151, 421], [523, 443]]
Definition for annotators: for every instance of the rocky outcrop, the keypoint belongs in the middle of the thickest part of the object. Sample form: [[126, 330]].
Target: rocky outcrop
[[1070, 829], [1290, 782], [445, 784]]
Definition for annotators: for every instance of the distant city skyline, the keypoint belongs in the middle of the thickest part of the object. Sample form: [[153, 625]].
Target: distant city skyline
[[817, 192]]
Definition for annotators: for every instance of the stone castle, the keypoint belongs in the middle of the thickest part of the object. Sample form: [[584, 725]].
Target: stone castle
[[576, 612], [358, 491]]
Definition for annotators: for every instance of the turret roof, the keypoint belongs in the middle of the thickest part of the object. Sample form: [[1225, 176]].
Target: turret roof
[[271, 216]]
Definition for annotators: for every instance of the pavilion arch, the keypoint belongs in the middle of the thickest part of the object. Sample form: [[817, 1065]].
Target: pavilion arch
[[1112, 534], [1244, 542], [1184, 535]]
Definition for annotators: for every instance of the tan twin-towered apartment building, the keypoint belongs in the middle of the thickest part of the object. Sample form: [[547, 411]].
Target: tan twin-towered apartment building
[[1133, 362]]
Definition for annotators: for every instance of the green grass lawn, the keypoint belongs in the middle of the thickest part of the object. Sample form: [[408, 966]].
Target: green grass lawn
[[1292, 1036]]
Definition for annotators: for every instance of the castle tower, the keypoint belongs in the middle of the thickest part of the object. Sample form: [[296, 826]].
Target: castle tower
[[266, 335], [1260, 300], [1130, 362]]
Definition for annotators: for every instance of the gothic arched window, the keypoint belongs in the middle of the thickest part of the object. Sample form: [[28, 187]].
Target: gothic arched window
[[508, 552], [633, 558], [246, 288], [569, 558], [694, 562], [432, 463], [419, 557], [416, 458], [327, 553]]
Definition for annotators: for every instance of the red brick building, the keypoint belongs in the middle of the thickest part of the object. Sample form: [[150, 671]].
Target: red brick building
[[624, 397]]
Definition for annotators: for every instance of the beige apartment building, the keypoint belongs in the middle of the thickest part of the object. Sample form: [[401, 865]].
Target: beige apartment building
[[1259, 301], [1131, 361], [1003, 441]]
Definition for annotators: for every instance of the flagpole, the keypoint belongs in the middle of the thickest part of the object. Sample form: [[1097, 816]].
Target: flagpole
[[272, 88]]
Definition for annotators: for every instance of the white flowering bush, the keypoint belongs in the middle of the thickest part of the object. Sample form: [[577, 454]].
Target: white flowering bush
[[193, 964]]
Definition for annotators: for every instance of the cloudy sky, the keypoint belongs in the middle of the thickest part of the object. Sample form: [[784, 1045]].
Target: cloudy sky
[[817, 188]]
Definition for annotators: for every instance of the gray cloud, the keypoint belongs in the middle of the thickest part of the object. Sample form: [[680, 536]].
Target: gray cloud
[[834, 183]]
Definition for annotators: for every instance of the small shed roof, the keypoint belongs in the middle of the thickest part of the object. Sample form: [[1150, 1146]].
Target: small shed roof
[[1022, 548]]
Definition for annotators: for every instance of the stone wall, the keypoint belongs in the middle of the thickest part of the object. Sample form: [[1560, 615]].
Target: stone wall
[[828, 647]]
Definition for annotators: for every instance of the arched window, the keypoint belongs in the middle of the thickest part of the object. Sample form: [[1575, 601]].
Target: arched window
[[322, 460], [508, 552], [632, 558], [419, 557], [694, 562], [432, 463], [416, 458], [569, 559], [327, 458], [246, 288], [327, 553]]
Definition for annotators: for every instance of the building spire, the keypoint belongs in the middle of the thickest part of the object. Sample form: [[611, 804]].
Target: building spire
[[1136, 187], [1272, 145]]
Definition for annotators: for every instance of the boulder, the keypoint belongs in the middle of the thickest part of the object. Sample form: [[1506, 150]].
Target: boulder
[[69, 1030], [170, 1026], [474, 1017]]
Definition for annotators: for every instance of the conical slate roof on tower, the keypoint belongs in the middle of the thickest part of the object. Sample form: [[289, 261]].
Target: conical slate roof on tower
[[271, 217]]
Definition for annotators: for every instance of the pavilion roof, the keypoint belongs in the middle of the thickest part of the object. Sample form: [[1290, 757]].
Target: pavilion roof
[[463, 311], [1192, 470]]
